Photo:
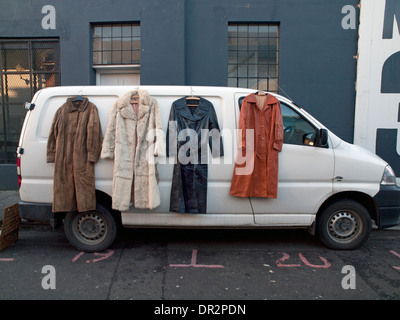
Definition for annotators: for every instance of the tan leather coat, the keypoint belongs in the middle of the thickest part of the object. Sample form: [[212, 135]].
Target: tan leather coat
[[257, 164]]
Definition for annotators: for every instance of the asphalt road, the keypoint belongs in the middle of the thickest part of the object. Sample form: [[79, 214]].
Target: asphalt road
[[164, 264]]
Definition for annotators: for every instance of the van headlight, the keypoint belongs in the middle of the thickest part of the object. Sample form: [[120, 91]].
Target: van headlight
[[389, 177]]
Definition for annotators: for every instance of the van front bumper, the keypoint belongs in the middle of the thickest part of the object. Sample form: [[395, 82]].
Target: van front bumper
[[388, 202]]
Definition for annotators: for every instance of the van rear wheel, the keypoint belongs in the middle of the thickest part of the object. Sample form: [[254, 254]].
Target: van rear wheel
[[91, 231], [344, 225]]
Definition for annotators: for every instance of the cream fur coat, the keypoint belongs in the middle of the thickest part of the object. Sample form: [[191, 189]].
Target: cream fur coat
[[124, 129]]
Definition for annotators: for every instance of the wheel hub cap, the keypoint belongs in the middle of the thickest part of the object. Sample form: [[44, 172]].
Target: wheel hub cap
[[91, 226], [343, 225]]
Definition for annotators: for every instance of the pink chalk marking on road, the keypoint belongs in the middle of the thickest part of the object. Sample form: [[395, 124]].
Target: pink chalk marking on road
[[103, 255], [303, 259], [285, 257], [7, 259], [193, 263], [306, 262], [397, 255], [77, 256]]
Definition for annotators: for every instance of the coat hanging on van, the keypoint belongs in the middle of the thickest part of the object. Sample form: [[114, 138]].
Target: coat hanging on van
[[133, 138], [188, 139], [256, 167], [74, 145]]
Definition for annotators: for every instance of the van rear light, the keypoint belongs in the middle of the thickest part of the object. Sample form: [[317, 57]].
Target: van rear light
[[19, 171]]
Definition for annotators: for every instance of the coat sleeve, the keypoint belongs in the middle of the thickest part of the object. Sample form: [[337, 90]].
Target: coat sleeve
[[215, 138], [159, 148], [52, 139], [108, 147], [94, 136], [242, 125], [278, 141], [172, 133]]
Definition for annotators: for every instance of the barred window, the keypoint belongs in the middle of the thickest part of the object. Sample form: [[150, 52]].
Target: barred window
[[26, 66], [116, 44], [253, 56]]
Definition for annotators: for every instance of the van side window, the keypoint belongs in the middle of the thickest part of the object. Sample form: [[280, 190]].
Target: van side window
[[296, 130], [240, 102]]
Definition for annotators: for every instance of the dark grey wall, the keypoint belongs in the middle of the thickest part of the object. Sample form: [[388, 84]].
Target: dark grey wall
[[317, 68], [8, 177], [162, 33], [184, 42]]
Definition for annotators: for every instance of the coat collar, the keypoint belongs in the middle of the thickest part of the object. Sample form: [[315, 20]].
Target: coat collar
[[270, 99], [77, 105], [125, 108], [201, 110]]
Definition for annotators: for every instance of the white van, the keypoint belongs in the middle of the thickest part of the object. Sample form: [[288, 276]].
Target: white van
[[326, 185]]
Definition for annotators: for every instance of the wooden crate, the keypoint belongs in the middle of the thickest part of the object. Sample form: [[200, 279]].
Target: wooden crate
[[10, 227]]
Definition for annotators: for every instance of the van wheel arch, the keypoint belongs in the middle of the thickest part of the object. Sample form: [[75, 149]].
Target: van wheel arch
[[344, 222], [362, 198], [106, 200]]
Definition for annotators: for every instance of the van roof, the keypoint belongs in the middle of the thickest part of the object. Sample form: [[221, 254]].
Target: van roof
[[153, 89]]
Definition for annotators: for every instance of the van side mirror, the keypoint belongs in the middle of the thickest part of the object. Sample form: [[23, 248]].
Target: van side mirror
[[323, 138]]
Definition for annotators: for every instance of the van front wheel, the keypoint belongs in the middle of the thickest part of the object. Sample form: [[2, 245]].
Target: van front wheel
[[344, 225], [91, 231]]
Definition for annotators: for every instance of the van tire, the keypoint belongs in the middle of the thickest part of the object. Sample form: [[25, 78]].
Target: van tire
[[91, 231], [344, 225]]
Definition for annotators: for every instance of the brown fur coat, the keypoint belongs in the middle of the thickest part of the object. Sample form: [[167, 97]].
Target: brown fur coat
[[74, 145]]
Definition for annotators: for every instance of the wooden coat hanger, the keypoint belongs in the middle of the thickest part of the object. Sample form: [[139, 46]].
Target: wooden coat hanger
[[192, 98]]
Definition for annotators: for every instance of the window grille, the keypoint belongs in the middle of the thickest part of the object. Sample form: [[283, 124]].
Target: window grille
[[253, 56], [116, 44], [26, 66]]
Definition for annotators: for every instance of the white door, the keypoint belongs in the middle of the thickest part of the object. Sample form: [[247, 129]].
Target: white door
[[305, 175], [117, 79]]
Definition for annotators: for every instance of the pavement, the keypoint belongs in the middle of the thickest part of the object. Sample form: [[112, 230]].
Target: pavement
[[7, 198], [168, 266]]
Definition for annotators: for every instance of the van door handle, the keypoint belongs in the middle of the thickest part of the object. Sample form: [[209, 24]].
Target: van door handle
[[338, 178]]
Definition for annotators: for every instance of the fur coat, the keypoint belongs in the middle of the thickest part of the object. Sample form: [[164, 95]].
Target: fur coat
[[74, 146], [133, 140]]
